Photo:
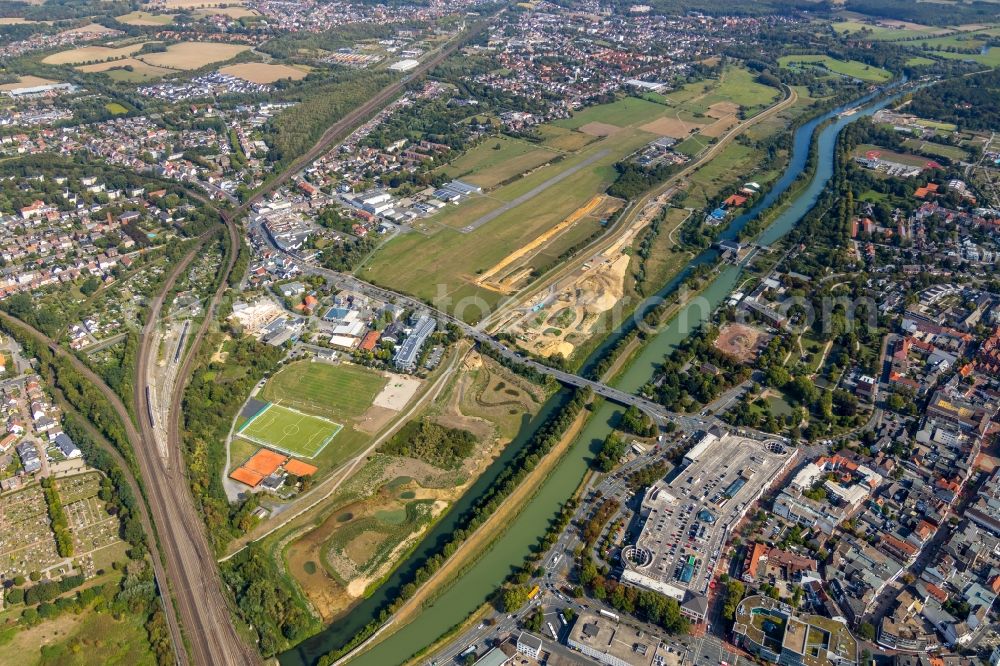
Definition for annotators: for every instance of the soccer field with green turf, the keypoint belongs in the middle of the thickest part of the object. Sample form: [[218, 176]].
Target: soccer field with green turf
[[290, 431]]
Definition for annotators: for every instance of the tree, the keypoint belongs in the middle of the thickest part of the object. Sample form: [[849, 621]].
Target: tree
[[734, 594], [514, 598], [867, 631]]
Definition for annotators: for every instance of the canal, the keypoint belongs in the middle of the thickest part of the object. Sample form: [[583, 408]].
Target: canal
[[479, 581]]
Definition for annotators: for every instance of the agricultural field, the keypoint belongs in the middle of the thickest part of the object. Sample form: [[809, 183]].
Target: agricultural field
[[145, 19], [496, 160], [129, 70], [885, 30], [25, 82], [193, 55], [851, 68], [258, 72], [737, 86], [91, 54], [990, 59]]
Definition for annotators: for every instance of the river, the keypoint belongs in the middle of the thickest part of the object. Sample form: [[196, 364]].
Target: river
[[479, 581]]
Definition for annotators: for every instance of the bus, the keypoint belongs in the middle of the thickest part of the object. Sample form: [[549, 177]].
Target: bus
[[534, 592]]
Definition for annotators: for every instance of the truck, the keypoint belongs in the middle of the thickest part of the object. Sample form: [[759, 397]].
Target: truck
[[608, 614]]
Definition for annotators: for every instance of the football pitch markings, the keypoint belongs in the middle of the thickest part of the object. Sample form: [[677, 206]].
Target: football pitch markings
[[290, 431]]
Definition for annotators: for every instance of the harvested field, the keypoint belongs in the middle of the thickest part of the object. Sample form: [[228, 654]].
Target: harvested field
[[258, 72], [91, 54], [741, 342], [140, 70], [193, 4], [26, 82], [95, 28], [672, 127], [193, 55], [599, 129], [231, 12], [145, 19]]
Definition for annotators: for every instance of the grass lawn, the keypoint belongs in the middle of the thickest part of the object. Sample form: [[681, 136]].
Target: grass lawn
[[692, 145], [740, 87], [951, 152], [293, 432], [337, 392], [115, 108], [447, 262], [991, 58], [487, 166], [624, 112], [89, 639], [852, 68], [919, 61], [560, 138]]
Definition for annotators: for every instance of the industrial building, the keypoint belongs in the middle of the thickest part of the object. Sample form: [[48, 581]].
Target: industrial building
[[687, 517]]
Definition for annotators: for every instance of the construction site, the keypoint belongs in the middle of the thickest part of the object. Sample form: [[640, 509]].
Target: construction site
[[560, 318]]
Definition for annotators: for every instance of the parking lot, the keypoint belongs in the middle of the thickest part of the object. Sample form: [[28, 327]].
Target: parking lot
[[688, 516]]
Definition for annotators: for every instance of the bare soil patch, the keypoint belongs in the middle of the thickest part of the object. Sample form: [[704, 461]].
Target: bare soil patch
[[672, 127], [397, 392], [599, 129], [374, 419], [740, 341]]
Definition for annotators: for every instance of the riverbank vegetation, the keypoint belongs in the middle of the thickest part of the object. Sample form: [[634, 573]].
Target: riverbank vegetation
[[547, 436]]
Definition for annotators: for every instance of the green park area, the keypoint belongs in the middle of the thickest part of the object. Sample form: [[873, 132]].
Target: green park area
[[851, 68]]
